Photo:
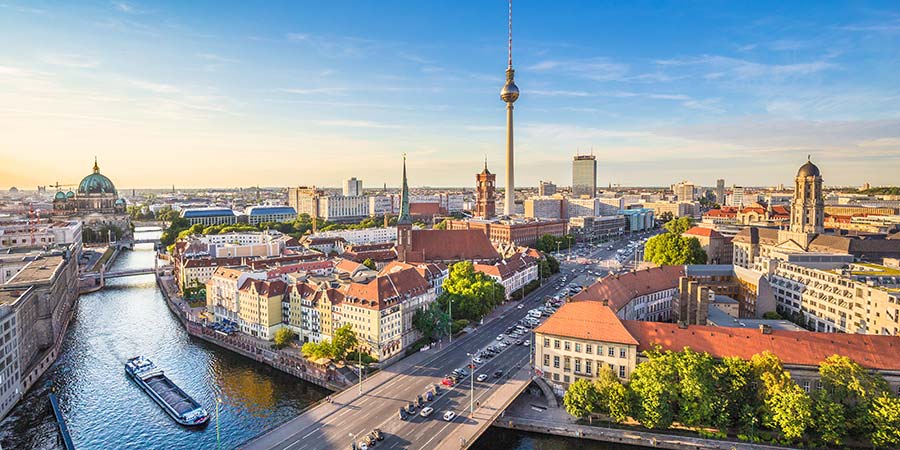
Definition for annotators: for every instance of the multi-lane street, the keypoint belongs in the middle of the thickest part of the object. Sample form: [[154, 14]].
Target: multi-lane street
[[351, 415]]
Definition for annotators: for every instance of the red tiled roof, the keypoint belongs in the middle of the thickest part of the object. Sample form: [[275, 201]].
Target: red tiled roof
[[780, 210], [586, 320], [349, 266], [211, 262], [264, 288], [792, 347], [506, 268], [705, 232], [451, 245], [376, 293], [721, 213], [621, 289]]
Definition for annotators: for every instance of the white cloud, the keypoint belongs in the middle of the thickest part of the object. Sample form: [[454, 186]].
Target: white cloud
[[159, 88], [597, 69], [355, 124], [70, 60], [736, 68]]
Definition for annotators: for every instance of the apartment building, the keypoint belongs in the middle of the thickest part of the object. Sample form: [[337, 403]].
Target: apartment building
[[513, 273], [259, 307], [648, 294]]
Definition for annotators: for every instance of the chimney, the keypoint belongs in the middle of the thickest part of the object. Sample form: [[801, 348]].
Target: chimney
[[682, 324], [765, 329], [605, 302]]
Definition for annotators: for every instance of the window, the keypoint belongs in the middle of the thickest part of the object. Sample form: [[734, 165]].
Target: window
[[612, 352], [599, 350], [555, 377], [577, 365], [587, 366], [546, 342], [556, 362], [612, 367], [588, 348], [566, 379], [622, 352], [546, 360], [556, 344], [577, 347], [621, 371], [567, 346], [567, 364], [806, 386]]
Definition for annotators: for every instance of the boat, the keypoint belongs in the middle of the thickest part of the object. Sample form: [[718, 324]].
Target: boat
[[175, 402]]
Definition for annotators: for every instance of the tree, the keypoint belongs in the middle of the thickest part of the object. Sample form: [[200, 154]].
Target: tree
[[369, 263], [612, 396], [283, 337], [698, 402], [344, 340], [830, 418], [671, 249], [313, 350], [580, 399], [552, 263], [852, 386], [473, 294], [885, 419], [432, 322], [679, 225], [733, 387], [791, 409], [665, 217], [442, 225], [652, 385]]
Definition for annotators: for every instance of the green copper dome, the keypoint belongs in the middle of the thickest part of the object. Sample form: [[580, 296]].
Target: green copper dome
[[96, 183], [60, 196], [70, 194]]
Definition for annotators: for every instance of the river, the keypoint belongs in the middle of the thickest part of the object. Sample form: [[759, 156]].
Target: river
[[106, 410]]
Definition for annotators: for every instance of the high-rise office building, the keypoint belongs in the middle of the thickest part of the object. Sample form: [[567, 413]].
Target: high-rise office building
[[353, 187], [685, 190], [546, 189], [584, 176], [720, 191]]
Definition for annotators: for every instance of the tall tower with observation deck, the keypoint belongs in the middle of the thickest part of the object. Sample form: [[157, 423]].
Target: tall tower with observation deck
[[509, 94]]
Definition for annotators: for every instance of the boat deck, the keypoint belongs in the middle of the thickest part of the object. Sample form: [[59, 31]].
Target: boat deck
[[171, 394]]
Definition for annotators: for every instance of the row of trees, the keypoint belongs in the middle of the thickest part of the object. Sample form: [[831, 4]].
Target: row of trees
[[673, 249], [699, 391], [549, 243], [335, 349]]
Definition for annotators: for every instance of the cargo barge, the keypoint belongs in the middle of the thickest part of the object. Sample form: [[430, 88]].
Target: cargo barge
[[175, 402]]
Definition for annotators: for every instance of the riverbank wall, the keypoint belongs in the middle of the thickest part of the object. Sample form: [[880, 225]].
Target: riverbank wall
[[624, 436], [250, 348]]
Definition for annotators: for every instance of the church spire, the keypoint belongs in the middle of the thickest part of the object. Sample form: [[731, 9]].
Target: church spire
[[404, 198], [96, 167]]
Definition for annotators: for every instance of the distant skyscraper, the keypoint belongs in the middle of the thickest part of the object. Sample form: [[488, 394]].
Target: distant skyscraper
[[720, 191], [509, 94], [484, 193], [686, 191], [737, 196], [584, 176], [353, 187], [546, 188]]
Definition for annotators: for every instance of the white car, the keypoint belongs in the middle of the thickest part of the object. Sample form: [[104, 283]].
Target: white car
[[482, 377], [449, 415], [426, 411], [477, 360], [520, 306], [500, 337], [526, 342]]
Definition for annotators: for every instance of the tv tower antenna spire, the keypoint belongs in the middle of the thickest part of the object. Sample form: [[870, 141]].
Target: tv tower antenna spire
[[510, 35]]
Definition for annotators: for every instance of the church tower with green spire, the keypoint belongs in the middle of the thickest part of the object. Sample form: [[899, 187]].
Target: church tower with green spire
[[404, 222]]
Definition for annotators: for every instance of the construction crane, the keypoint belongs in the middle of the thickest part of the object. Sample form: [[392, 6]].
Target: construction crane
[[57, 185]]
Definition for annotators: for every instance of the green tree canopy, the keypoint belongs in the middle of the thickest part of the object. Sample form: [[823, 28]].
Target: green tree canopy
[[653, 387], [369, 263], [673, 249], [885, 416], [432, 322], [283, 337], [473, 294], [581, 398], [612, 396], [344, 340]]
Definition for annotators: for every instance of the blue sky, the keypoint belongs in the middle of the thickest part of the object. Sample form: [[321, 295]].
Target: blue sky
[[276, 94]]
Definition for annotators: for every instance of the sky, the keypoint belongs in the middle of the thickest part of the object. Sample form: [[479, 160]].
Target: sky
[[225, 94]]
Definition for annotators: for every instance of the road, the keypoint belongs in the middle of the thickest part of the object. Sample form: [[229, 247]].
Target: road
[[351, 414]]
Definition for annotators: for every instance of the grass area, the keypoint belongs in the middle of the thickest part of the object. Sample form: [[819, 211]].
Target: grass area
[[103, 259], [877, 269]]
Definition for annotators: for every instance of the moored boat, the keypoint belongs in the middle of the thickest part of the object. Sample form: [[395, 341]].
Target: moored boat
[[174, 401]]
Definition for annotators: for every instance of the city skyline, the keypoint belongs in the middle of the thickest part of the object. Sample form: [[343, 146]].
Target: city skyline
[[164, 95]]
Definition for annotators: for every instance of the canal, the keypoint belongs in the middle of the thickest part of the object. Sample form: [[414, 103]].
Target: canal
[[106, 410]]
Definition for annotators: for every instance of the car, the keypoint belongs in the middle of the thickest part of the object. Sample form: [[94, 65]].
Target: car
[[477, 360], [526, 342], [377, 434], [419, 401], [362, 446], [429, 396], [482, 377], [402, 413], [499, 337], [449, 415], [411, 409], [520, 306], [426, 411], [448, 382], [498, 373]]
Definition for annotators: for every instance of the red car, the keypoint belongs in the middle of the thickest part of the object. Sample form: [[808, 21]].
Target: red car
[[447, 382]]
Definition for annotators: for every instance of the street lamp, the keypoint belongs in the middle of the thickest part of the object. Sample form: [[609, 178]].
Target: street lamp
[[472, 386]]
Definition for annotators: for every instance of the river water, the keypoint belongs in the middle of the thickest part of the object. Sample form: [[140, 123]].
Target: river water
[[104, 409]]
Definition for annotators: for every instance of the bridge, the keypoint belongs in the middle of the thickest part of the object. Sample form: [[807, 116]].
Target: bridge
[[356, 411], [117, 273]]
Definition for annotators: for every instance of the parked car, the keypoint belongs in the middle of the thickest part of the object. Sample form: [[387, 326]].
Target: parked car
[[377, 434], [426, 411], [482, 377], [402, 414], [498, 373], [449, 415], [448, 382], [411, 409]]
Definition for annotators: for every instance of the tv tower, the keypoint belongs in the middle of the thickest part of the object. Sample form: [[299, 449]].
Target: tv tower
[[509, 94]]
